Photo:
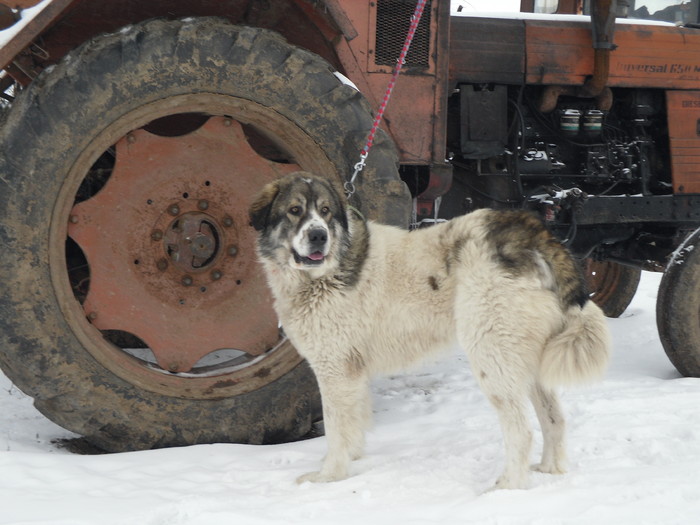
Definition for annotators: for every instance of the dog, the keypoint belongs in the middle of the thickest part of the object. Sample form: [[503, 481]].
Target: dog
[[358, 298]]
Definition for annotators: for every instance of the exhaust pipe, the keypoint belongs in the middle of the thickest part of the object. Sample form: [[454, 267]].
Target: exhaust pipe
[[602, 29]]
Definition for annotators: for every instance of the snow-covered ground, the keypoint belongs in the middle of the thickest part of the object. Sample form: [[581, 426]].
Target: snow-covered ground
[[634, 449]]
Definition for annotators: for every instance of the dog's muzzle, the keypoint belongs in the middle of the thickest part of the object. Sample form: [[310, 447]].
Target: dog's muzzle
[[316, 244]]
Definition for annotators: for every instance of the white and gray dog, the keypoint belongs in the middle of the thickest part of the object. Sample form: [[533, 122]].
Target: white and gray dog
[[358, 298]]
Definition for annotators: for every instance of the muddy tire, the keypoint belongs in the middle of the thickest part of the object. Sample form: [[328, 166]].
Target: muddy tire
[[611, 286], [678, 308], [139, 147]]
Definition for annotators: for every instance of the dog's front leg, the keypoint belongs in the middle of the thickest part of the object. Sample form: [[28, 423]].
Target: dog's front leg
[[346, 414]]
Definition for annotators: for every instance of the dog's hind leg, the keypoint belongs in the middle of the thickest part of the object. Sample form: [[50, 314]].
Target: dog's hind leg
[[504, 368], [346, 415], [517, 438], [551, 419]]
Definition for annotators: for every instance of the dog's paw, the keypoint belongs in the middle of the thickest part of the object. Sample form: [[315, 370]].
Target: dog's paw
[[319, 477], [548, 468], [509, 483]]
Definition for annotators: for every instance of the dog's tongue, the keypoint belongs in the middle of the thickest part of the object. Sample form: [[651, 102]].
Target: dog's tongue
[[316, 256]]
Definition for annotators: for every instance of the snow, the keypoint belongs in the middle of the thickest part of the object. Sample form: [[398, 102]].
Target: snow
[[515, 15], [510, 9], [634, 454]]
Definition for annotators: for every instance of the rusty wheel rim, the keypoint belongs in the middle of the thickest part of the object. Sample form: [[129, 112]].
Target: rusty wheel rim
[[602, 279], [169, 251]]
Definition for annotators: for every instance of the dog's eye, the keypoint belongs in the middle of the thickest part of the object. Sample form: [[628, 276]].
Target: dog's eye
[[325, 210], [295, 210]]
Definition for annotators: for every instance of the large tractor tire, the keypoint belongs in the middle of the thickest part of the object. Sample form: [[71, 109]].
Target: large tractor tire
[[133, 310], [678, 307], [612, 286]]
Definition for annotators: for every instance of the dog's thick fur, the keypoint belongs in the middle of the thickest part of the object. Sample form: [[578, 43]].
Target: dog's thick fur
[[358, 298]]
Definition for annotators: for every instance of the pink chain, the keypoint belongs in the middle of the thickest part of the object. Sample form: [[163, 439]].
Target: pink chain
[[415, 19]]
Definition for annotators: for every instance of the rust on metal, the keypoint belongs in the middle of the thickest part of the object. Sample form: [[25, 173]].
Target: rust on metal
[[418, 92], [684, 139], [192, 240], [184, 295]]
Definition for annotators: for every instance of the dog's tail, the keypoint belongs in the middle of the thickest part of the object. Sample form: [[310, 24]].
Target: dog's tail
[[580, 352]]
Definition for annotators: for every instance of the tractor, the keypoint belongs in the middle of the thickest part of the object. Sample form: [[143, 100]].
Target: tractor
[[134, 134]]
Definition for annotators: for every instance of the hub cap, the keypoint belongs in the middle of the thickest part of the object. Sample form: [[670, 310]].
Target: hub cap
[[169, 248]]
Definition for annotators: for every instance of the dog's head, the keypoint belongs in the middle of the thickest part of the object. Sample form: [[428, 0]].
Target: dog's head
[[301, 220]]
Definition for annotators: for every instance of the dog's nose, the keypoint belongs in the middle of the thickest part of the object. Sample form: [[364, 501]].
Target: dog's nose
[[318, 237]]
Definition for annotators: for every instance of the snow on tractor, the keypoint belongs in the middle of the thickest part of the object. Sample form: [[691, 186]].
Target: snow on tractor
[[135, 132]]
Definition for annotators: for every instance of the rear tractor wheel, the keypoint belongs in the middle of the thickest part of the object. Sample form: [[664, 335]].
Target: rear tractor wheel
[[611, 285], [135, 312]]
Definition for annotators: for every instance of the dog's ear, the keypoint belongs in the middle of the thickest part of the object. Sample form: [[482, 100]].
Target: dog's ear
[[259, 212]]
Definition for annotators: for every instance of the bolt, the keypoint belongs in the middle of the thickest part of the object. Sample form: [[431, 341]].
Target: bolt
[[92, 316], [203, 204], [187, 280], [156, 235], [173, 367], [130, 138], [174, 210], [216, 275], [232, 250], [74, 219], [162, 264], [228, 221], [227, 122]]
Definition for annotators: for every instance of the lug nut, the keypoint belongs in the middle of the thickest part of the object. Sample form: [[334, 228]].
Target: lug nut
[[156, 235], [227, 221], [187, 280], [216, 275], [130, 138], [162, 264], [92, 316], [73, 219], [232, 250], [174, 210], [203, 205], [227, 122]]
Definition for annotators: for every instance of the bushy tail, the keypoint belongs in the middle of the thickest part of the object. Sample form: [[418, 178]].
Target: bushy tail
[[580, 352]]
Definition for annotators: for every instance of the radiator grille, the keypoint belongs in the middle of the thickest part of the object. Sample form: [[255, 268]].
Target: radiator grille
[[393, 21]]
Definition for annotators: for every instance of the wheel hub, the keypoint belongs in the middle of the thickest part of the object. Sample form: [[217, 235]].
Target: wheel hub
[[171, 255], [192, 241]]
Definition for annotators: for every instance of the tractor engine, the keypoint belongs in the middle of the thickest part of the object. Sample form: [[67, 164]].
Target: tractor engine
[[516, 146]]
